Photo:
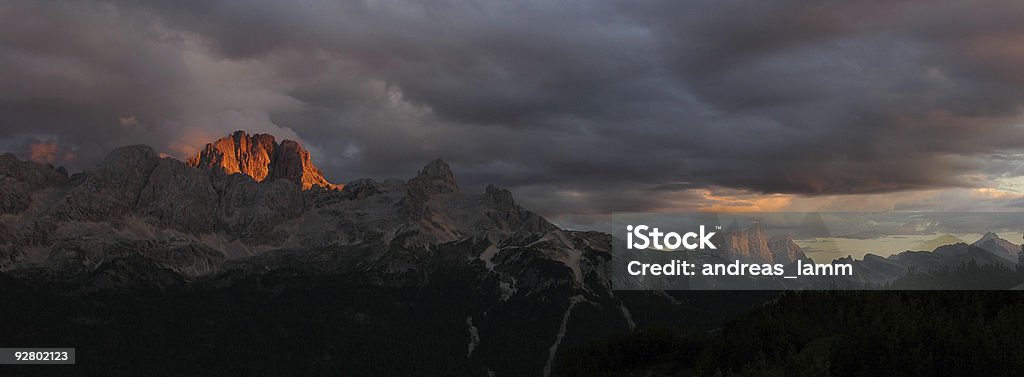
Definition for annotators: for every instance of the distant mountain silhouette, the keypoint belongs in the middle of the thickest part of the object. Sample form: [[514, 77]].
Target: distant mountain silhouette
[[992, 243], [988, 250], [932, 244]]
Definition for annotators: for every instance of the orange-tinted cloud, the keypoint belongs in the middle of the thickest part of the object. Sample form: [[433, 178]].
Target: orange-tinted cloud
[[49, 152], [713, 202]]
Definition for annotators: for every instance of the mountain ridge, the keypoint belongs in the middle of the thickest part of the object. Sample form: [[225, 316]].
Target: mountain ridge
[[261, 157], [135, 195], [138, 222], [994, 244], [141, 222]]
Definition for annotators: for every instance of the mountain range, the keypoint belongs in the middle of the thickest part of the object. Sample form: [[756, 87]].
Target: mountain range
[[247, 211], [990, 249]]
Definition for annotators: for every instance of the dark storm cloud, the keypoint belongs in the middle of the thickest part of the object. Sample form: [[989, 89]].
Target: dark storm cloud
[[578, 106]]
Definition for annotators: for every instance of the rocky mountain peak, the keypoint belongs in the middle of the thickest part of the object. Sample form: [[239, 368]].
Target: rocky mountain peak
[[33, 174], [784, 249], [993, 237], [994, 244], [502, 198], [130, 155], [292, 162], [749, 244], [436, 177], [988, 236], [262, 158], [19, 178], [753, 244]]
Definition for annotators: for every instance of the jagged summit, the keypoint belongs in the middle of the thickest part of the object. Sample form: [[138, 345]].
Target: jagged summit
[[989, 236], [262, 158], [994, 244], [436, 177], [754, 244]]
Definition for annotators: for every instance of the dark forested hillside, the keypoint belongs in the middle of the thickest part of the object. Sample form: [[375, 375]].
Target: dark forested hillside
[[837, 333]]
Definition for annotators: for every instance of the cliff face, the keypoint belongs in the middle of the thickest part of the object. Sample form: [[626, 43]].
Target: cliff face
[[784, 249], [262, 158], [748, 245], [163, 208], [138, 222], [18, 179], [994, 244], [753, 245]]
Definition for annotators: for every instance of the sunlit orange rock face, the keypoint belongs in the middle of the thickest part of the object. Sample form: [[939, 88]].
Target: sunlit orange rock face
[[262, 158]]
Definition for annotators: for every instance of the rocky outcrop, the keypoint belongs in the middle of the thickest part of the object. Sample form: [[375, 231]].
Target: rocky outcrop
[[79, 257], [135, 195], [111, 190], [748, 245], [994, 244], [14, 195], [34, 175], [784, 249], [292, 162], [18, 179], [262, 158], [256, 212], [238, 153], [134, 182], [435, 178], [753, 245], [181, 196]]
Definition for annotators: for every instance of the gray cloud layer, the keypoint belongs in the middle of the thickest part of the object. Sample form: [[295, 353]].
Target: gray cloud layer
[[579, 106]]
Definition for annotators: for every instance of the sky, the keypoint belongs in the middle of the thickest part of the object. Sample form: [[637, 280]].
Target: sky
[[581, 108]]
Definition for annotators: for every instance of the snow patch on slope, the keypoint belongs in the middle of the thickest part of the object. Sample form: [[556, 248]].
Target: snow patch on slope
[[561, 333], [568, 254], [474, 336], [628, 316], [508, 288], [488, 256]]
